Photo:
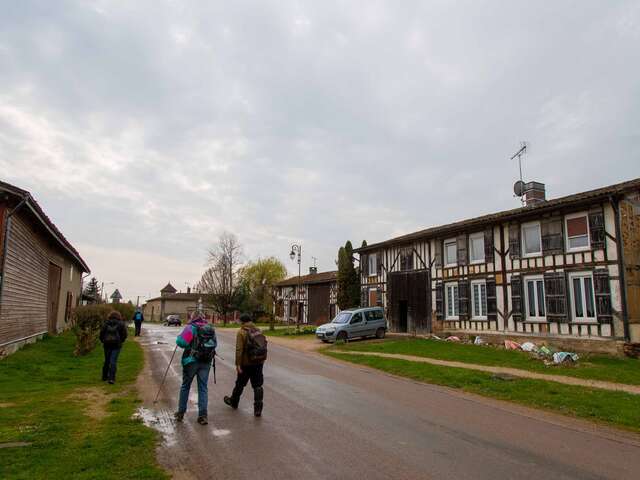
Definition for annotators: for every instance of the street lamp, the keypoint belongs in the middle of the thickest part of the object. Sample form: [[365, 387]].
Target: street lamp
[[297, 249], [102, 294]]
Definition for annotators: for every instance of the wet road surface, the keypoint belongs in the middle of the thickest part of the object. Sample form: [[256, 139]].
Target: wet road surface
[[325, 419]]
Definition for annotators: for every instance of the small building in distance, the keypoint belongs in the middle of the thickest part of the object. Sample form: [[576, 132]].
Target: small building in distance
[[316, 302], [172, 302], [40, 272], [116, 296]]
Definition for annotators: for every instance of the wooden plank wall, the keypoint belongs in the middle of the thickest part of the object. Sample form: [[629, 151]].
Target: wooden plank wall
[[24, 301]]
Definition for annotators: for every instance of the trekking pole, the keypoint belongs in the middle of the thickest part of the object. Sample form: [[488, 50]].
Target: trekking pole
[[213, 364], [165, 374]]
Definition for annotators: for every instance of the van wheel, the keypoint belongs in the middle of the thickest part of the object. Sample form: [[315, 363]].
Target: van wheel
[[380, 333], [342, 336]]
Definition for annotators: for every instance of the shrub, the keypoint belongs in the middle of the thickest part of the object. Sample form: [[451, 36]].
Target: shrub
[[87, 322]]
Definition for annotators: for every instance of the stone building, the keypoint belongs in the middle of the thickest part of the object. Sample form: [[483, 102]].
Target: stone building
[[172, 302]]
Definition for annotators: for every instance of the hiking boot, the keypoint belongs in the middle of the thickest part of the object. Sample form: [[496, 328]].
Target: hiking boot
[[257, 410], [179, 416], [229, 401], [111, 382], [202, 420]]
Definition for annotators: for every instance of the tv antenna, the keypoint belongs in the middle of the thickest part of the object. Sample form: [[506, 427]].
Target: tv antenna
[[315, 259], [518, 187]]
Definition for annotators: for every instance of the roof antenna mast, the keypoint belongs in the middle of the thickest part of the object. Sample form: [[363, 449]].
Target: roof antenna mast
[[518, 187]]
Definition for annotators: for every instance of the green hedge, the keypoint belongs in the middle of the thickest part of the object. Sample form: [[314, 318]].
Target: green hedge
[[88, 319]]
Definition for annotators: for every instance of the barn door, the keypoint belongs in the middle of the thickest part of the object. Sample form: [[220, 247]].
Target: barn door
[[53, 296], [318, 304]]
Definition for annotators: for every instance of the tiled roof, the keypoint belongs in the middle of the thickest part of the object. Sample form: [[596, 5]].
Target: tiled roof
[[322, 277], [506, 215], [168, 289], [45, 221], [181, 297]]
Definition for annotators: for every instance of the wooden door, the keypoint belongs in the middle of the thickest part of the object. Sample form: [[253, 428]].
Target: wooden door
[[409, 302], [318, 304], [53, 296]]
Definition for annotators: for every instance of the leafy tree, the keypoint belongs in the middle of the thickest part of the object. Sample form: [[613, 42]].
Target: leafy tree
[[364, 244], [92, 290], [348, 279], [259, 277]]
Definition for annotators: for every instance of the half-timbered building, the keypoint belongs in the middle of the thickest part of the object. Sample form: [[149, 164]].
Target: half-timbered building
[[40, 272], [567, 268], [313, 297]]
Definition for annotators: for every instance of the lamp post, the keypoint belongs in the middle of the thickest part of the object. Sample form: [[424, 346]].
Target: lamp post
[[102, 294], [297, 249]]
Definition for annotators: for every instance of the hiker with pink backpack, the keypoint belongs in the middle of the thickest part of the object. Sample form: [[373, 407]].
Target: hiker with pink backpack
[[251, 353]]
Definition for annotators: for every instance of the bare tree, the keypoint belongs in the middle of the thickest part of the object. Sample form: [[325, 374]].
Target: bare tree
[[220, 281]]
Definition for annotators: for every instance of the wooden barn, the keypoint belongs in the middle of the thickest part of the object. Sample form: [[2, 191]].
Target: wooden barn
[[567, 268], [312, 296], [40, 272]]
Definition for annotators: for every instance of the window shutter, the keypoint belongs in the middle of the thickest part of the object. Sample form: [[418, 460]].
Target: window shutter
[[463, 299], [516, 297], [379, 263], [492, 306], [596, 229], [439, 301], [488, 245], [403, 260], [514, 240], [602, 289], [364, 298], [364, 264], [551, 232], [555, 293], [437, 254], [379, 302], [410, 259], [462, 249]]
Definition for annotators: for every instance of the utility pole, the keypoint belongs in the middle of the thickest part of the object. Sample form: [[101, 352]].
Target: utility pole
[[297, 248]]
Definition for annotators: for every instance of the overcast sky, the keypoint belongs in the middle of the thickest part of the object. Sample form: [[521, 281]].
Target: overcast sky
[[147, 128]]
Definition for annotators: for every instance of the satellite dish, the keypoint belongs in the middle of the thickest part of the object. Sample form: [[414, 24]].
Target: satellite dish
[[518, 188]]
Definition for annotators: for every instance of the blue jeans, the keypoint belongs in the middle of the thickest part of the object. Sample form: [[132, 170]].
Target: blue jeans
[[201, 370], [110, 363]]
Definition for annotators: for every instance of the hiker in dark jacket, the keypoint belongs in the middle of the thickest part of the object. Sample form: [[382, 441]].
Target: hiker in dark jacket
[[112, 335], [138, 318], [250, 357], [199, 342]]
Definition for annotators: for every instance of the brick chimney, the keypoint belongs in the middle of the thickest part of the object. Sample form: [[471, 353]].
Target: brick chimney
[[313, 270], [534, 193]]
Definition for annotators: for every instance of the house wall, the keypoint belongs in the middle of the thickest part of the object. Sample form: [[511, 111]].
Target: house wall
[[502, 267], [24, 302], [288, 294], [153, 310]]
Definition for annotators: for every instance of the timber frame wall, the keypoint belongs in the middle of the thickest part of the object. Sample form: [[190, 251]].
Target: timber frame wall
[[286, 298], [505, 269]]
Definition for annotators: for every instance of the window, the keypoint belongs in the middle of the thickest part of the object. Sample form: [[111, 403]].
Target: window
[[577, 226], [71, 274], [373, 265], [451, 252], [531, 240], [356, 318], [479, 295], [452, 301], [406, 259], [534, 298], [583, 302], [476, 247]]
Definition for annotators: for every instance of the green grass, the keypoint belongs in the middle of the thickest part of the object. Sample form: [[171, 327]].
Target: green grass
[[291, 332], [36, 385], [594, 367], [614, 408]]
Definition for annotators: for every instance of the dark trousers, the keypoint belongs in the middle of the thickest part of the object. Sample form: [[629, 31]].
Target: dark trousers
[[253, 374], [110, 362], [138, 325]]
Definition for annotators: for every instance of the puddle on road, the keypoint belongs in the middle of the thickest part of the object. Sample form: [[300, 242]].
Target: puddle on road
[[163, 422], [220, 433]]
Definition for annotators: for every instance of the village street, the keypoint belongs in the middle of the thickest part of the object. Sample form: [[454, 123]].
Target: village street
[[324, 419]]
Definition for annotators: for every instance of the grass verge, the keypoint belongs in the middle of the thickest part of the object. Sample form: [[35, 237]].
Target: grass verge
[[77, 427], [593, 367], [291, 332], [614, 408]]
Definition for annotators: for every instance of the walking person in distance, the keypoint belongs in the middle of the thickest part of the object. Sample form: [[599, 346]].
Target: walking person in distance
[[112, 335], [138, 318]]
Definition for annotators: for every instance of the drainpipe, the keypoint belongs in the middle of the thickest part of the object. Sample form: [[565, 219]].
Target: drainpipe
[[621, 267], [7, 234]]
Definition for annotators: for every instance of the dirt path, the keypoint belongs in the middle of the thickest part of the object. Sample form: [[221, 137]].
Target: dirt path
[[634, 389]]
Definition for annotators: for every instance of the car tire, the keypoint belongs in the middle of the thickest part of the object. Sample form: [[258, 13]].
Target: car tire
[[380, 333], [343, 336]]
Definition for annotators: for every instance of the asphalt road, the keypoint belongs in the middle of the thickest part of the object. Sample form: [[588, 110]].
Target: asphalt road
[[324, 419]]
